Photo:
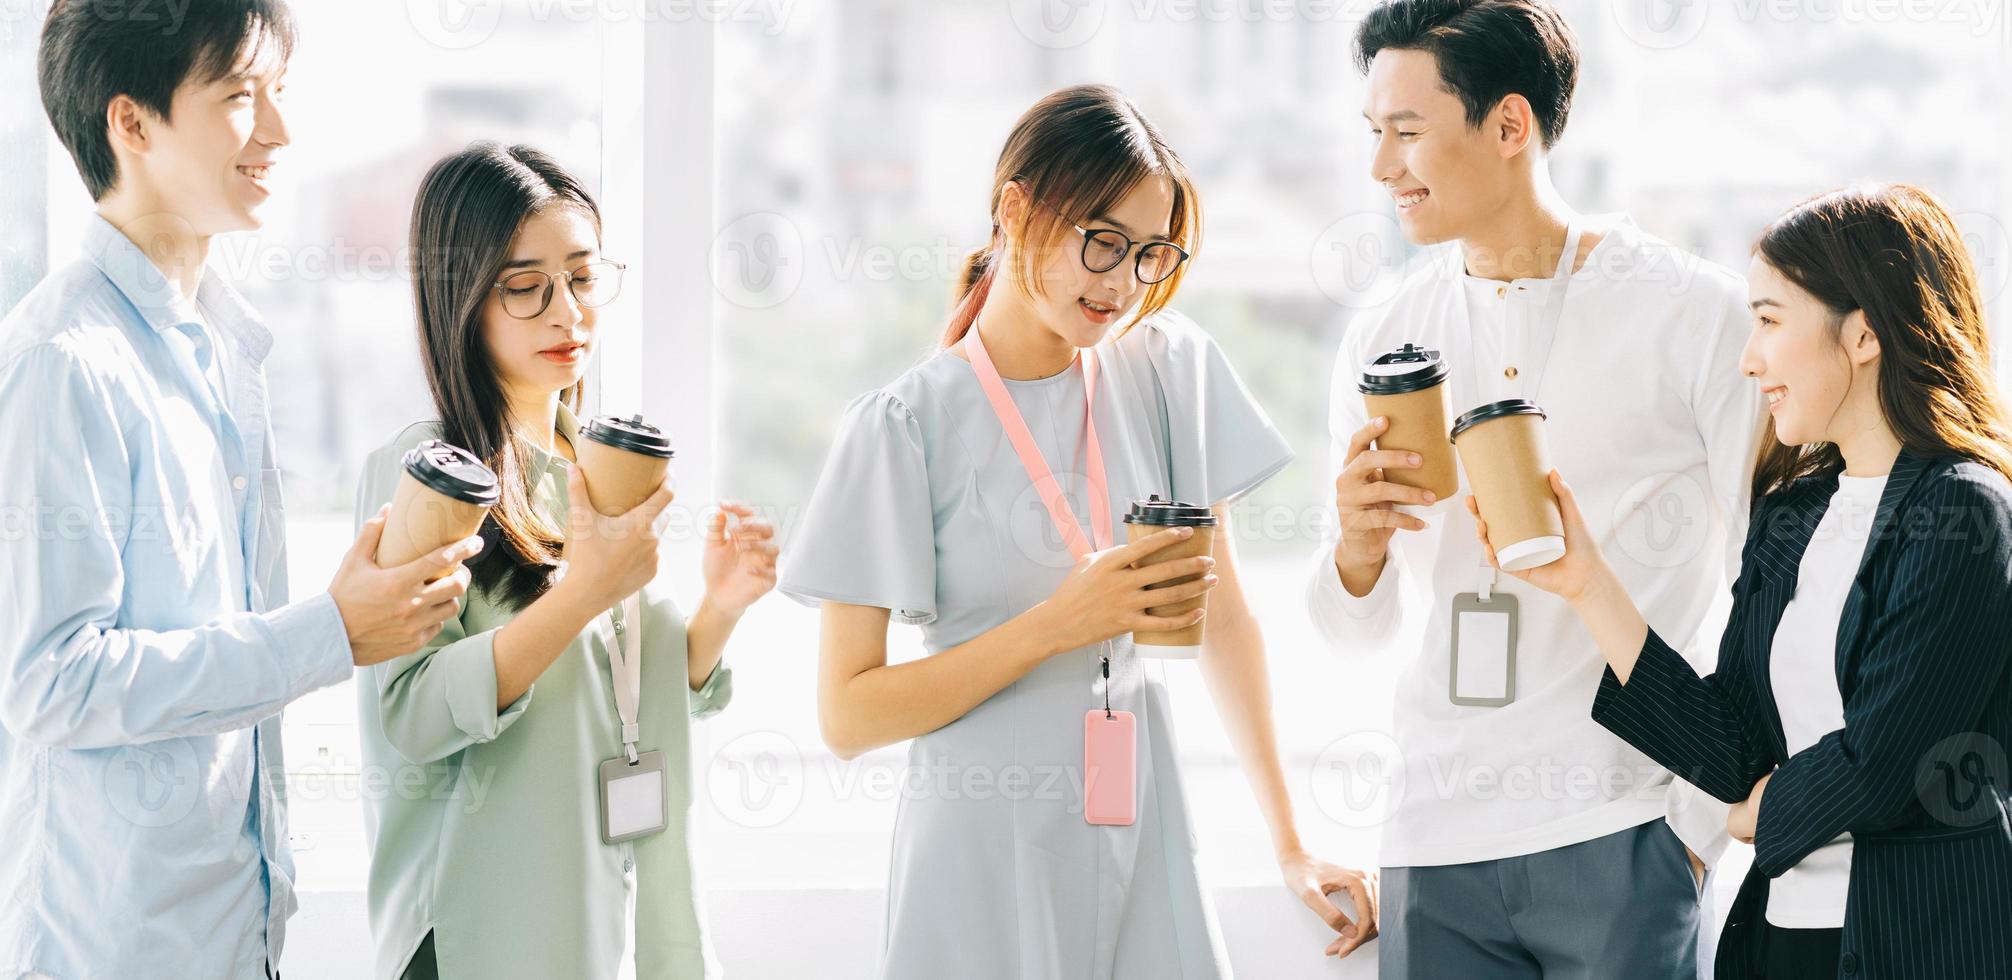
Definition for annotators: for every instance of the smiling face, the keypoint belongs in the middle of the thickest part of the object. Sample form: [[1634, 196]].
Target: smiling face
[[1819, 372], [211, 161], [547, 353], [1071, 301], [1446, 177]]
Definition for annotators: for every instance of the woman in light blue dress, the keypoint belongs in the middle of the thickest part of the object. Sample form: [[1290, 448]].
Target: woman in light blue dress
[[926, 514]]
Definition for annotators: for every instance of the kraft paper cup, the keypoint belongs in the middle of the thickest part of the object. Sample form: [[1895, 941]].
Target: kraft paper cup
[[1150, 517], [1509, 467], [623, 462], [1408, 387], [443, 497]]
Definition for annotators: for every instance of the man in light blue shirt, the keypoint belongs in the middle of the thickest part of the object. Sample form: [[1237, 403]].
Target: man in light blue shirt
[[147, 643]]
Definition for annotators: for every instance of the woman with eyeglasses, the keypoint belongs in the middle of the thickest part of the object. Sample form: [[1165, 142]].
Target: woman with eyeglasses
[[1034, 839], [482, 751]]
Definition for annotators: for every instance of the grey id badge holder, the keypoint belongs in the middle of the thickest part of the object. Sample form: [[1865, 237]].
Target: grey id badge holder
[[635, 799], [1482, 673]]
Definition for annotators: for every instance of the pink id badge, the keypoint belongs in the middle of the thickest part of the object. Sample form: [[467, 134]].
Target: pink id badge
[[1110, 768]]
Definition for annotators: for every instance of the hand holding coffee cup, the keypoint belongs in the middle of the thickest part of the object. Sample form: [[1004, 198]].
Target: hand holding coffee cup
[[1407, 388], [625, 461], [443, 496], [390, 612], [1582, 571], [1146, 518], [610, 557], [1366, 499], [1106, 596]]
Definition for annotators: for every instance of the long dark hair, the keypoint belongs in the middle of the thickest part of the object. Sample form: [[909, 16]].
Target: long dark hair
[[1079, 151], [469, 209], [1895, 252]]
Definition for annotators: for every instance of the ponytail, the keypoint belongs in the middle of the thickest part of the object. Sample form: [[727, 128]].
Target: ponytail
[[969, 297]]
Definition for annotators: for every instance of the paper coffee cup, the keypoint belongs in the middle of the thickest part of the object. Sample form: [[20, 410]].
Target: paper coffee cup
[[1150, 517], [1502, 447], [1408, 387], [623, 462], [443, 497]]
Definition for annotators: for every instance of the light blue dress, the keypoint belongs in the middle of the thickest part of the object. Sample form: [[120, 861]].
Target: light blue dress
[[924, 509]]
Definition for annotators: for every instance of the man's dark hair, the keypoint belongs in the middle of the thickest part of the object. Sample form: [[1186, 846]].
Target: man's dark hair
[[1487, 50], [95, 50]]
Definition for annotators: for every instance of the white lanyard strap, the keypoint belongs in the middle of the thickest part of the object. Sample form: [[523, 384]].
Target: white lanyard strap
[[625, 664], [1536, 360]]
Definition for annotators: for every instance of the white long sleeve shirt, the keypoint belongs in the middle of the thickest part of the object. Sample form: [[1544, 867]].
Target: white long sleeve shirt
[[1655, 428]]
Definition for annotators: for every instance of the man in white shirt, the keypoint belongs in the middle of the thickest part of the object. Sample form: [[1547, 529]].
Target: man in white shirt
[[1522, 839]]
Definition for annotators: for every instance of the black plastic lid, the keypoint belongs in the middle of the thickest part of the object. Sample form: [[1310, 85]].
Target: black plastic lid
[[452, 471], [1496, 410], [632, 434], [1407, 369], [1169, 513]]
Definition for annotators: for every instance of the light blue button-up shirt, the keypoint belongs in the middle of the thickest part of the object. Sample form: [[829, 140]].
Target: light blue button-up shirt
[[146, 643]]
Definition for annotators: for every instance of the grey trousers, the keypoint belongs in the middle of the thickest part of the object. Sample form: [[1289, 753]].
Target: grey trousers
[[1621, 907]]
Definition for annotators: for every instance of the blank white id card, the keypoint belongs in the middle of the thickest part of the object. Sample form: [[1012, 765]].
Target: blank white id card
[[635, 800], [1483, 668]]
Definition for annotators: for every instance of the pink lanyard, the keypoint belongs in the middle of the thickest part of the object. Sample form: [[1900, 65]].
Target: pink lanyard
[[1030, 453]]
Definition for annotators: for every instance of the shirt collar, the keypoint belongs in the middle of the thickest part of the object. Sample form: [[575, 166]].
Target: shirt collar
[[569, 429], [1616, 230], [163, 306]]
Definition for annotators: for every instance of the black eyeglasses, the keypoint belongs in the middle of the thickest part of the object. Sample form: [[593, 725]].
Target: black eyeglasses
[[526, 294], [1104, 248]]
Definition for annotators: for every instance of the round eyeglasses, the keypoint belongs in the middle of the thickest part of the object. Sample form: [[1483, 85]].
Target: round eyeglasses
[[1104, 248], [526, 294]]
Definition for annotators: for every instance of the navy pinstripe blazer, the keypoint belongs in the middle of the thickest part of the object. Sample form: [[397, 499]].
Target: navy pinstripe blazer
[[1918, 774]]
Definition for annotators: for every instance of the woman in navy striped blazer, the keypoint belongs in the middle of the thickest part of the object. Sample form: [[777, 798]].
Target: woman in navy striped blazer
[[1861, 712]]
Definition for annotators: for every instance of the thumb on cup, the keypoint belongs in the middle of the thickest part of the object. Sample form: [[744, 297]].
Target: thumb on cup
[[368, 537]]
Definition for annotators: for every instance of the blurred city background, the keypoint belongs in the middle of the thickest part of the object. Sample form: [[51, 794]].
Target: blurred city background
[[853, 142]]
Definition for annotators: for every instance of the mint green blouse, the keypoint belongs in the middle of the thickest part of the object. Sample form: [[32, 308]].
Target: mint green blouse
[[483, 825]]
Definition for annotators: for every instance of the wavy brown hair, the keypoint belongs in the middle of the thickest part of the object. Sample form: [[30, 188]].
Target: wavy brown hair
[[1079, 151], [1895, 252], [468, 211]]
